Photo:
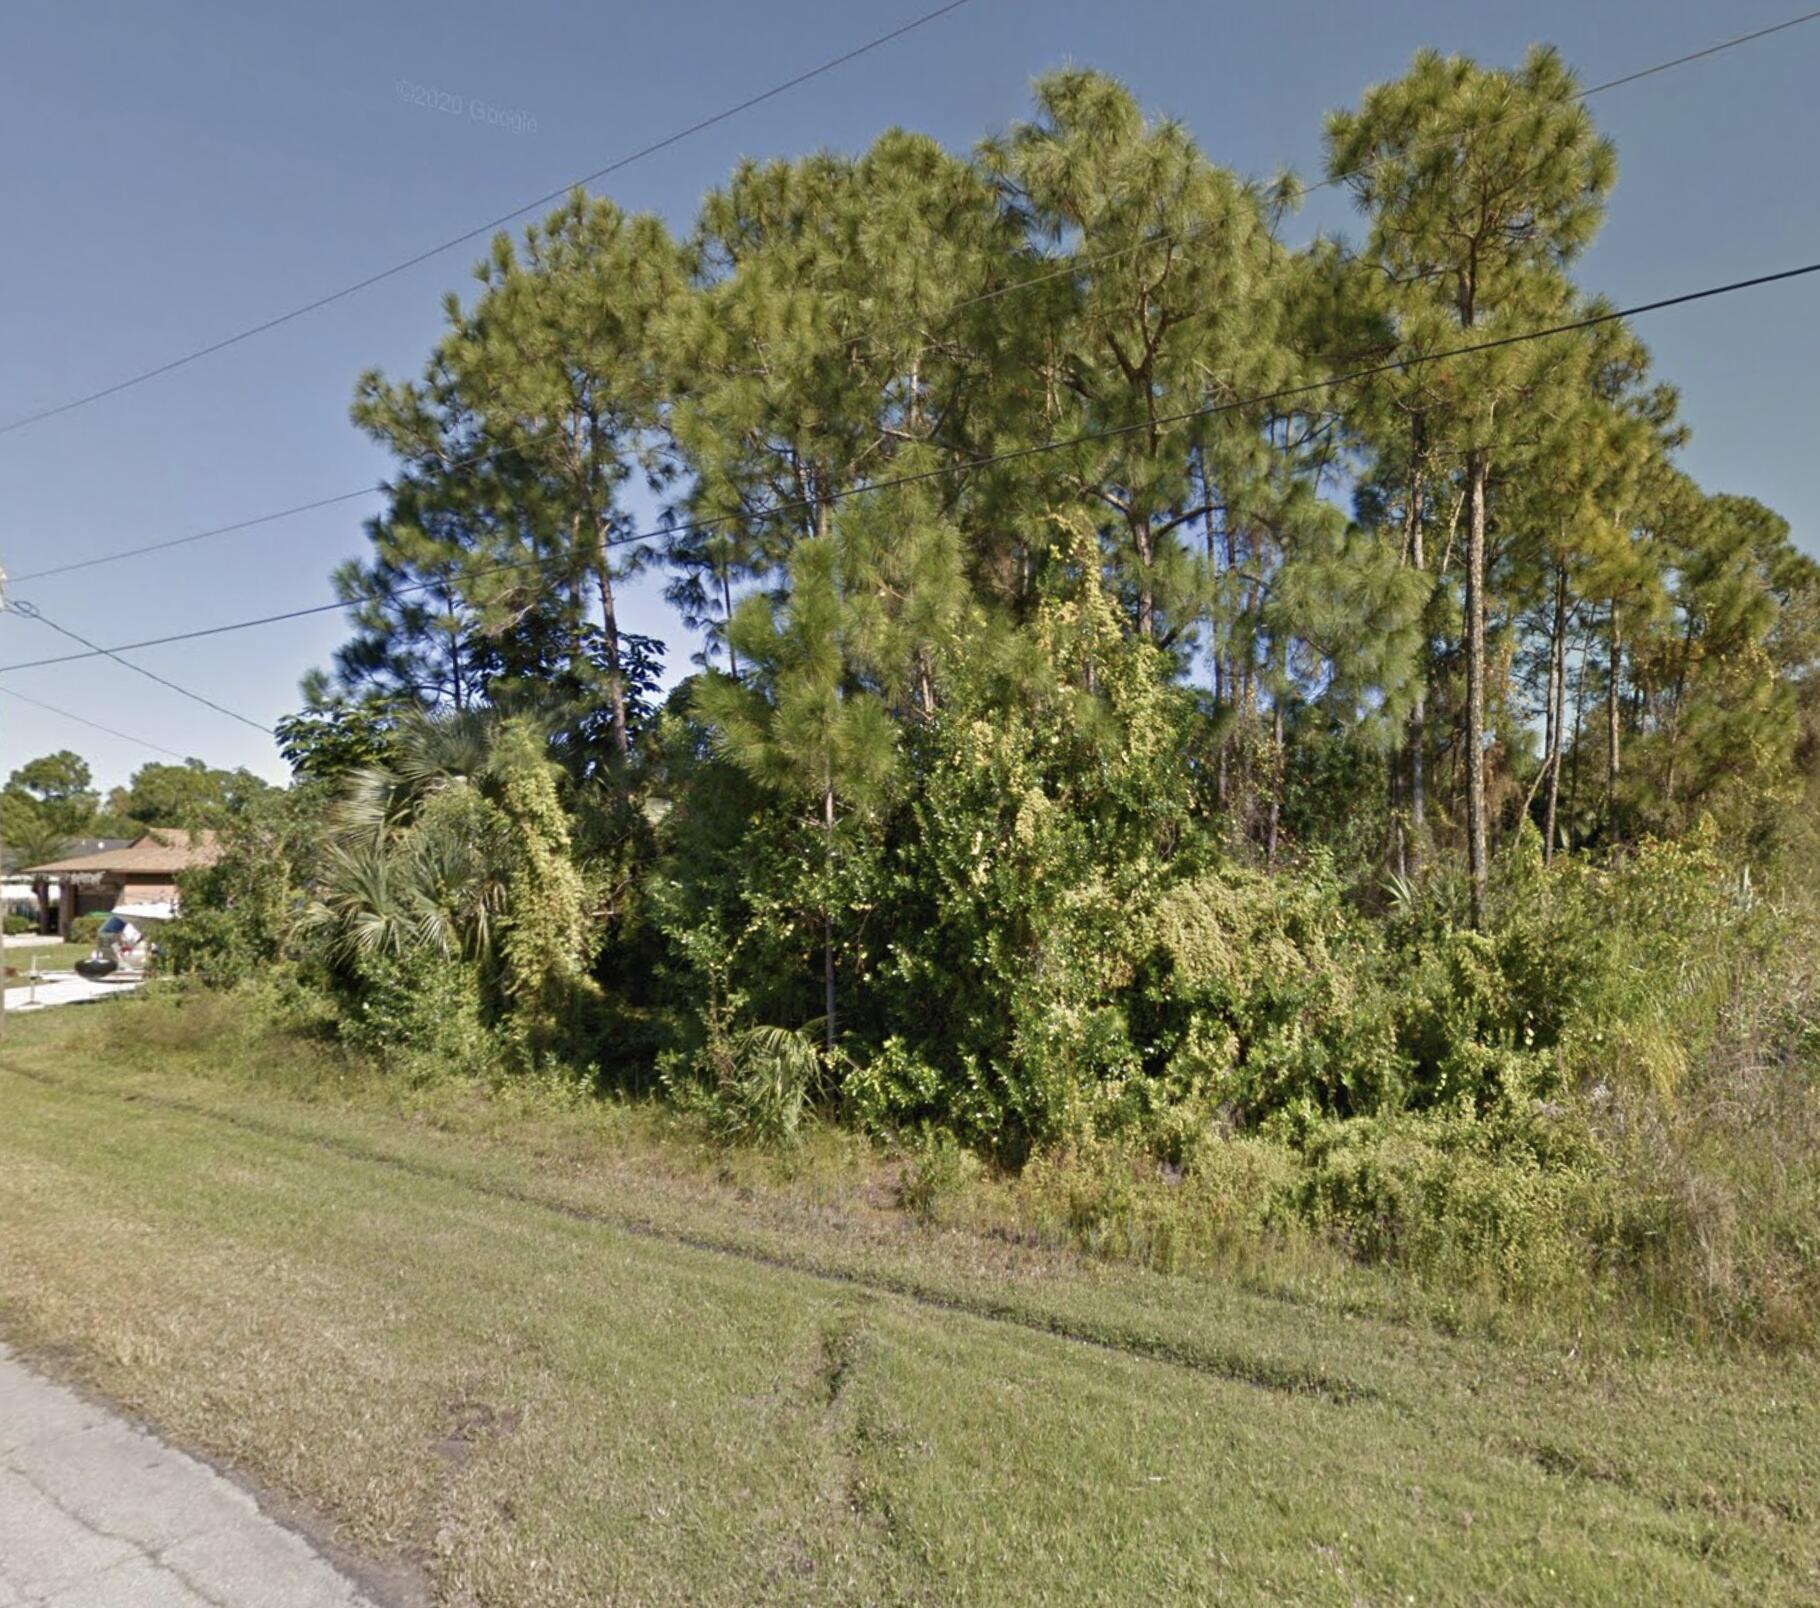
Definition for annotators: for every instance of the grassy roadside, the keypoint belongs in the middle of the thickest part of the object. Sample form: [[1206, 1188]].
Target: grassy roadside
[[555, 1374]]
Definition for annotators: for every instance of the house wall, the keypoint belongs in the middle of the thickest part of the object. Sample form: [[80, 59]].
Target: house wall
[[63, 901], [134, 890], [83, 899], [93, 898], [90, 900]]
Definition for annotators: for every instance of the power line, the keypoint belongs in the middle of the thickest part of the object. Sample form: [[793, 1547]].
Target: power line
[[238, 625], [1211, 410], [1619, 82], [94, 725], [31, 612], [201, 535], [1700, 55], [480, 230], [1064, 270]]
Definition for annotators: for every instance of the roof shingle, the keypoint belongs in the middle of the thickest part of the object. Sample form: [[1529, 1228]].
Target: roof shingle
[[163, 850]]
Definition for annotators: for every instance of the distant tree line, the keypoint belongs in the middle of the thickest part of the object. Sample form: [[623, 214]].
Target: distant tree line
[[50, 802]]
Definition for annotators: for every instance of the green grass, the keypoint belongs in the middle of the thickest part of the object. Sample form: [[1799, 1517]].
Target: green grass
[[556, 1367], [49, 958]]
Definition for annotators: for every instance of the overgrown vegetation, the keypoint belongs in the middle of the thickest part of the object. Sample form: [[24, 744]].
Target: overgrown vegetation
[[1379, 817]]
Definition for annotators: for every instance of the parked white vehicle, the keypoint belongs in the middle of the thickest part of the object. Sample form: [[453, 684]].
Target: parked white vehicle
[[122, 949]]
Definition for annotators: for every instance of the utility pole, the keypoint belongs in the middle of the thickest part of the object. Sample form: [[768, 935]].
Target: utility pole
[[4, 603]]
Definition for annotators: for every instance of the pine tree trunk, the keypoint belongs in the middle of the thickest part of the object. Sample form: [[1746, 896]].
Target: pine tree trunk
[[828, 920], [609, 626], [1276, 782], [1418, 716], [1557, 715], [1215, 647], [1418, 778], [1613, 757], [1146, 551], [592, 506], [1478, 857], [1573, 780], [455, 688], [1397, 848], [726, 602], [1674, 714]]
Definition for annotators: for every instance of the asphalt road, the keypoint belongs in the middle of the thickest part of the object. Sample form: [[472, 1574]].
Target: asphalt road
[[95, 1513]]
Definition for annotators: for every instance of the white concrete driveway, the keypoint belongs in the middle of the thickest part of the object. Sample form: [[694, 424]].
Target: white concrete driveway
[[62, 988]]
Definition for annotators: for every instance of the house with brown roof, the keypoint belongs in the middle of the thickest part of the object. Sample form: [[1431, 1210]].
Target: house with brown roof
[[141, 873]]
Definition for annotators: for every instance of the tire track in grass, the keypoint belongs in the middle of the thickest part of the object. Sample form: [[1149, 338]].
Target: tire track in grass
[[1219, 1363], [836, 1373]]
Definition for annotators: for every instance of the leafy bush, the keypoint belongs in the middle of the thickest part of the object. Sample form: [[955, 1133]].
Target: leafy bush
[[238, 914], [418, 1008], [1115, 1199], [1606, 1095], [1523, 1203], [1041, 823], [87, 929], [1263, 992], [17, 925], [754, 1086]]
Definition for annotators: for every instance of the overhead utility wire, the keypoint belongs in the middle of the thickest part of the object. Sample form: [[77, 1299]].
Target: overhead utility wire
[[93, 725], [355, 287], [31, 612], [1600, 88], [216, 530], [1065, 270], [1286, 393]]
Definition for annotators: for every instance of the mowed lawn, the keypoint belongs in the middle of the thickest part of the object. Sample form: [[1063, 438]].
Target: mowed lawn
[[49, 958], [542, 1377]]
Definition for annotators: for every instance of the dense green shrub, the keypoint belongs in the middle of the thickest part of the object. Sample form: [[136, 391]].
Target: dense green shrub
[[1261, 992], [750, 1087], [417, 1007], [939, 1169], [1043, 819], [17, 925], [1233, 1199], [238, 914], [86, 929], [1522, 1201]]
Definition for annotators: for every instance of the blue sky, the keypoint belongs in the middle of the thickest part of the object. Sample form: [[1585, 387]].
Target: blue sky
[[176, 174]]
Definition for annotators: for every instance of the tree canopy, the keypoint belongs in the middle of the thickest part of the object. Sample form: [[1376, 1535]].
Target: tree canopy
[[1100, 696]]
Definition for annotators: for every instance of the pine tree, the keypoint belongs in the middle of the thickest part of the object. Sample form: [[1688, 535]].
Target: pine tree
[[1481, 186], [798, 723], [816, 347], [559, 358], [1174, 306], [1715, 683], [534, 412], [1576, 477]]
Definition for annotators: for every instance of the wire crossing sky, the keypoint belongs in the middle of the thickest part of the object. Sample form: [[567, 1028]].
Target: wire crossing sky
[[483, 231], [941, 472], [256, 159], [1070, 266]]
